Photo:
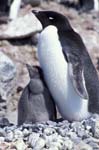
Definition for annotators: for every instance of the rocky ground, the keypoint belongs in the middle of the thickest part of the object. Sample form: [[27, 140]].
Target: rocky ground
[[23, 52], [50, 135]]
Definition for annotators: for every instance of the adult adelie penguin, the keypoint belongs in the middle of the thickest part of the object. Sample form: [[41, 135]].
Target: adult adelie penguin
[[68, 69]]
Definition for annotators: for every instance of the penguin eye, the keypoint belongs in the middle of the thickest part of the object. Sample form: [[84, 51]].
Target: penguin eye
[[51, 18]]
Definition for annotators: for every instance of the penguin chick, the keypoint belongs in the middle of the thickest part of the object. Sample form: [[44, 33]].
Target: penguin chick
[[36, 103]]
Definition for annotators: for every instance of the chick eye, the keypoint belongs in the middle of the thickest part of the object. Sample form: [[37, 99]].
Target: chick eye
[[51, 18]]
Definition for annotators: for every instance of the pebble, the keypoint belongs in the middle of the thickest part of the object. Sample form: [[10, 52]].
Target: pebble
[[18, 134], [20, 145], [26, 132], [49, 131], [9, 136], [33, 138], [61, 132], [53, 148], [39, 144], [83, 146], [68, 144], [2, 139], [7, 75], [96, 129], [2, 133]]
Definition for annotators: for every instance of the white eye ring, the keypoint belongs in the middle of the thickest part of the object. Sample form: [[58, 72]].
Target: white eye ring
[[51, 18]]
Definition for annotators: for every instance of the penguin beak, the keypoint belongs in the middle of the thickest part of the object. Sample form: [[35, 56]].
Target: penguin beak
[[35, 12]]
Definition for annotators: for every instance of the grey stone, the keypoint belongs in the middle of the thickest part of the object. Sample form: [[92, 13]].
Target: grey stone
[[33, 138], [9, 136], [93, 142], [20, 145], [83, 146], [18, 134], [2, 139], [95, 129], [10, 128], [50, 138], [75, 126], [61, 132], [2, 132], [51, 123], [73, 136], [7, 76], [39, 144], [53, 148], [4, 122], [94, 145], [32, 2], [21, 27], [68, 144], [26, 132], [81, 132], [56, 144], [49, 131]]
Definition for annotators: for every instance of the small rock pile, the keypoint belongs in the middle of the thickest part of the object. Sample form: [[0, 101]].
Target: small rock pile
[[50, 135]]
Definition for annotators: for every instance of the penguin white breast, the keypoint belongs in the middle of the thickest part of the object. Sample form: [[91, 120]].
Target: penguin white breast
[[55, 69]]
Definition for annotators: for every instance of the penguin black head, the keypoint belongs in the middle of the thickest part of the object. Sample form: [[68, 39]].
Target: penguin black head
[[53, 18], [35, 72]]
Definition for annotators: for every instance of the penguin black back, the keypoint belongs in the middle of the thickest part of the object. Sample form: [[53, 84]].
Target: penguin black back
[[72, 42]]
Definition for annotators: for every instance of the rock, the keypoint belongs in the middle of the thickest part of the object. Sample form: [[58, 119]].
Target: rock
[[83, 146], [94, 145], [53, 148], [68, 144], [2, 132], [26, 132], [4, 146], [7, 76], [54, 140], [51, 123], [21, 27], [33, 3], [20, 145], [49, 131], [95, 129], [7, 84], [61, 132], [18, 134], [73, 136], [39, 144], [2, 139], [51, 138], [55, 144], [4, 122], [33, 138], [9, 136]]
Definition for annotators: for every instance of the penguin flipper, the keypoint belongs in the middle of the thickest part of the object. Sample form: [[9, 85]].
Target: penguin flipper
[[77, 77], [76, 73]]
